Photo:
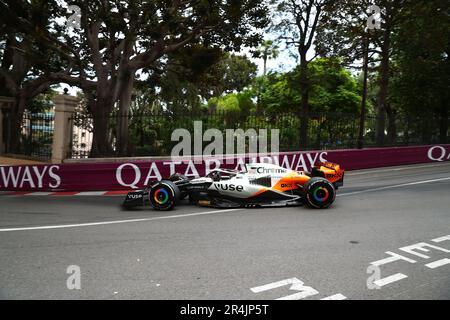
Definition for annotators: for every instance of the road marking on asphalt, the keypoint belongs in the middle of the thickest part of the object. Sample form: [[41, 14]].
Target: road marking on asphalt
[[393, 186], [275, 285], [91, 193], [372, 171], [338, 296], [295, 285], [198, 213], [390, 279], [393, 257], [65, 193], [117, 221], [438, 263], [440, 239], [421, 246], [39, 194]]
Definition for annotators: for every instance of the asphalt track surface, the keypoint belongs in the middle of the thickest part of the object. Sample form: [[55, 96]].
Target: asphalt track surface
[[204, 253]]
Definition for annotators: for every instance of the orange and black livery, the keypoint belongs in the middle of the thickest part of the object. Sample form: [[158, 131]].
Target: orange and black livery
[[258, 185]]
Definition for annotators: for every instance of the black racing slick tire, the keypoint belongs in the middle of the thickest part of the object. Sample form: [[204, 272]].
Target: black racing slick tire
[[164, 195], [319, 193]]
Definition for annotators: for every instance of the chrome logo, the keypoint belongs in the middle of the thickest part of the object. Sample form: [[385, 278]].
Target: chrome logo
[[161, 196], [321, 194]]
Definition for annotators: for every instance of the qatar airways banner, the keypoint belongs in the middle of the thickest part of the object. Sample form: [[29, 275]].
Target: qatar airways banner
[[136, 174]]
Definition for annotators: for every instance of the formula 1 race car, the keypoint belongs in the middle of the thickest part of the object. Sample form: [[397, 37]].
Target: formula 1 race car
[[258, 185]]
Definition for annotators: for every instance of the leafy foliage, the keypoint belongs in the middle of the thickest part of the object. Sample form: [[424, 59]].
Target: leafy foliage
[[333, 89]]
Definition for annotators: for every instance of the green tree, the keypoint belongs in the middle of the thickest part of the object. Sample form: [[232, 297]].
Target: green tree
[[119, 39], [266, 51], [343, 35], [195, 74], [280, 93], [421, 85], [28, 66], [123, 38], [333, 89], [297, 22], [237, 103], [235, 72], [181, 81]]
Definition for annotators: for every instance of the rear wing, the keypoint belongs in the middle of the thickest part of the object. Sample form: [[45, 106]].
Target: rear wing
[[330, 171]]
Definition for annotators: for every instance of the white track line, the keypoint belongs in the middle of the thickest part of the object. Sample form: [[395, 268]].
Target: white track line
[[393, 186], [274, 285], [394, 278], [338, 296], [440, 239], [401, 168], [91, 193], [117, 221], [39, 194], [438, 263]]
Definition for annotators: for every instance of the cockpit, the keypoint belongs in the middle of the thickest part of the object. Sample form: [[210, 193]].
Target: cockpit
[[222, 174]]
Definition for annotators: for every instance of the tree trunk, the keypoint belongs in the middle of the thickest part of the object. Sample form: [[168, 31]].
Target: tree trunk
[[101, 109], [392, 126], [380, 125], [15, 124], [362, 118], [265, 66], [382, 106], [14, 132], [100, 142], [443, 122], [126, 92], [304, 104]]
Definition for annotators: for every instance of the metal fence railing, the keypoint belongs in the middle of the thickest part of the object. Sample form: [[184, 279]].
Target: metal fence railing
[[36, 135], [150, 134]]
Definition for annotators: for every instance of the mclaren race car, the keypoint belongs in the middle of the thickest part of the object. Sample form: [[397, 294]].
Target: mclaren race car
[[258, 185]]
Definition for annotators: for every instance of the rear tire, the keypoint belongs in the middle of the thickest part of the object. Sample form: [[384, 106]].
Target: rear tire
[[164, 195], [319, 193]]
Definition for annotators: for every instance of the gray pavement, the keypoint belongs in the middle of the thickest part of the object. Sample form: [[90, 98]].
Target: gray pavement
[[203, 253]]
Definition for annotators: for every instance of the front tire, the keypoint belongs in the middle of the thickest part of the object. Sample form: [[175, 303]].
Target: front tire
[[164, 195], [319, 193]]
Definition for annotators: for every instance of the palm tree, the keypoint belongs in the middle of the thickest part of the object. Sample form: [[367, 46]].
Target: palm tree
[[267, 50]]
